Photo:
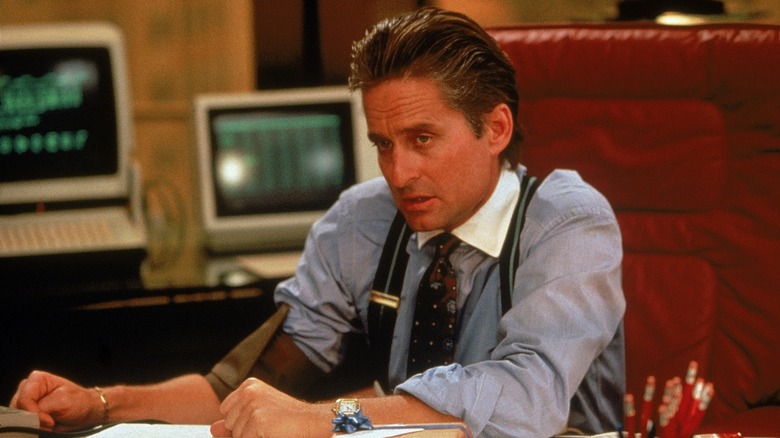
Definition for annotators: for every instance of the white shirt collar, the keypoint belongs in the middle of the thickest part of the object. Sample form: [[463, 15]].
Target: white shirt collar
[[487, 228]]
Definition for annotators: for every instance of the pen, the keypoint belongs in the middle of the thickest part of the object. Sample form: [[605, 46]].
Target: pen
[[629, 412], [663, 430], [693, 421], [690, 379], [696, 394], [647, 404], [672, 428], [666, 411]]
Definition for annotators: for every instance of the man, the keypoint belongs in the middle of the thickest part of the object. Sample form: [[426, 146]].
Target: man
[[440, 104]]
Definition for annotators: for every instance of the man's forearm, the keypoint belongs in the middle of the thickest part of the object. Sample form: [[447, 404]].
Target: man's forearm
[[402, 409], [257, 408], [188, 399]]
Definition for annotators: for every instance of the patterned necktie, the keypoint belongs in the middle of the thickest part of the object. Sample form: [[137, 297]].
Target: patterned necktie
[[435, 315]]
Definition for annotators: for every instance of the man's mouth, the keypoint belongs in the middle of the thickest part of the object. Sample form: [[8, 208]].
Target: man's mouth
[[415, 202]]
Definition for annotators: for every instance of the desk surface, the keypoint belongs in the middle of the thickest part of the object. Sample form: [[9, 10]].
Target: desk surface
[[193, 273], [454, 430]]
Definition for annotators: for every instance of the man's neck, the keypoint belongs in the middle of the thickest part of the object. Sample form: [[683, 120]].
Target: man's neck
[[487, 227]]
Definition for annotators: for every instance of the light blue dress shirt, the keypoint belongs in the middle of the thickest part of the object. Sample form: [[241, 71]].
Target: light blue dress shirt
[[556, 358]]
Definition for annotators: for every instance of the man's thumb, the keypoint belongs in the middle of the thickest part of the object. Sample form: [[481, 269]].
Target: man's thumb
[[218, 429]]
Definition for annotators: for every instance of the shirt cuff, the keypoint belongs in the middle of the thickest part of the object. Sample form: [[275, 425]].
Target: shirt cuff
[[473, 400]]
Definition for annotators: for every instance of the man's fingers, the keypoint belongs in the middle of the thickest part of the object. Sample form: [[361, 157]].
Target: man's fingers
[[218, 429], [46, 420], [27, 398], [28, 395]]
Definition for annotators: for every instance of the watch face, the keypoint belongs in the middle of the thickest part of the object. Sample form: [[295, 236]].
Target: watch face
[[348, 406]]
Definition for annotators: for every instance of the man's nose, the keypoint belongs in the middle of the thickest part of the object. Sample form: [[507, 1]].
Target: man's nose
[[402, 167]]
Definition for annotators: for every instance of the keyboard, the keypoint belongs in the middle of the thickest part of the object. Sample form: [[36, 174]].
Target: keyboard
[[271, 265], [64, 232]]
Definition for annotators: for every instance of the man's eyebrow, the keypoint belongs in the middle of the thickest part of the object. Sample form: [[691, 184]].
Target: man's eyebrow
[[374, 138], [419, 127], [410, 129]]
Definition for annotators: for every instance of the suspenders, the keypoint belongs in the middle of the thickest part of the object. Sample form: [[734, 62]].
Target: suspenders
[[386, 289]]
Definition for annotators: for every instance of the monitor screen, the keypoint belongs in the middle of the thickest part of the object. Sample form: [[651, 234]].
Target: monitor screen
[[273, 161], [64, 113], [287, 159]]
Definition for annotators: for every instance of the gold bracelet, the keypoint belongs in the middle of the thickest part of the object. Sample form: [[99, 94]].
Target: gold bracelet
[[105, 404]]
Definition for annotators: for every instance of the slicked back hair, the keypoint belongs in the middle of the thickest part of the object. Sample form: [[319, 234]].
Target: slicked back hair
[[472, 72]]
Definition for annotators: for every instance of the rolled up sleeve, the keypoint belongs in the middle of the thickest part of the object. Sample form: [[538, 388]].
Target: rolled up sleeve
[[568, 306]]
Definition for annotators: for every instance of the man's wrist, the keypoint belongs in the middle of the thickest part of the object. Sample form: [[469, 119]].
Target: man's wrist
[[104, 405], [349, 416]]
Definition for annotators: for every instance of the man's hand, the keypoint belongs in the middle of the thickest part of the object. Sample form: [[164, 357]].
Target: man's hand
[[257, 409], [59, 403]]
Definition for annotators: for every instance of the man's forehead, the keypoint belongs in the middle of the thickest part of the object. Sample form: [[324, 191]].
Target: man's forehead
[[402, 91], [414, 101]]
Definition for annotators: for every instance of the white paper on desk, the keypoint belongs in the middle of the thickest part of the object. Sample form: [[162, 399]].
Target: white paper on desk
[[383, 433], [135, 430]]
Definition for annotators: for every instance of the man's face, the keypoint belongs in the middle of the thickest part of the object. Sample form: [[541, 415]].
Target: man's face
[[439, 172]]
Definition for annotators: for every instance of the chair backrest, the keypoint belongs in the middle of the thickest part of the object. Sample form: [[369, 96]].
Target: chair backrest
[[680, 128]]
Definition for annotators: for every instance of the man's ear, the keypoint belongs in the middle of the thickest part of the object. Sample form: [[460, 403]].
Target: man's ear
[[498, 128]]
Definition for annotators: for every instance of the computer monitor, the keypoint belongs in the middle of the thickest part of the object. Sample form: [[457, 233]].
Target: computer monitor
[[271, 162], [65, 123]]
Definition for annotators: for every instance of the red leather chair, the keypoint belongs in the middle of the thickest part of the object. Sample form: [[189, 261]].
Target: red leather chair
[[680, 128]]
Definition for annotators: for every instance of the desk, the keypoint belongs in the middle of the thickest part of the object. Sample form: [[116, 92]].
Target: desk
[[454, 430], [168, 322]]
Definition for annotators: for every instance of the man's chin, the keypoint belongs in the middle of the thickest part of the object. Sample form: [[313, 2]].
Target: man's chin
[[420, 222]]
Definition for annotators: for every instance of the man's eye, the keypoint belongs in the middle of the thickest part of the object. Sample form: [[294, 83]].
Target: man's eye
[[423, 139], [382, 144]]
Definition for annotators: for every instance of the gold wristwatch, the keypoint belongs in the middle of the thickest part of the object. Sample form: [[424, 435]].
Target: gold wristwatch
[[346, 406]]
